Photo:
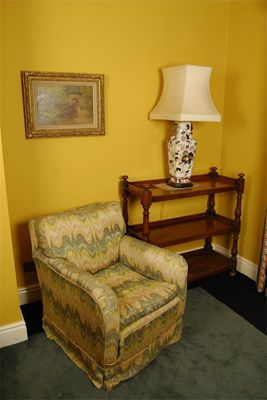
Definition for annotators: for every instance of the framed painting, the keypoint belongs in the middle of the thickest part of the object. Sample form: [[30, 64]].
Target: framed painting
[[62, 104]]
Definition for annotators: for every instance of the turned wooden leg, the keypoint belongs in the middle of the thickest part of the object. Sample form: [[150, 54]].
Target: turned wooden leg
[[146, 203], [125, 200], [210, 213], [208, 245], [146, 229], [237, 224]]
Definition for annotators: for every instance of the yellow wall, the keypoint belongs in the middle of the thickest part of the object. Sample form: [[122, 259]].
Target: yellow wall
[[243, 145], [9, 305], [129, 41]]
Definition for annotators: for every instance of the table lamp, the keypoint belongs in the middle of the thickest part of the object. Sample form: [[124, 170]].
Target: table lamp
[[185, 98]]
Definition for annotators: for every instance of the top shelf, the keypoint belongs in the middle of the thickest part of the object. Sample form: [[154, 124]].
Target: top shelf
[[202, 185]]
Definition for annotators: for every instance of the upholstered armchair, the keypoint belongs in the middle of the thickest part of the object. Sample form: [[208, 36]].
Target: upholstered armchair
[[110, 301]]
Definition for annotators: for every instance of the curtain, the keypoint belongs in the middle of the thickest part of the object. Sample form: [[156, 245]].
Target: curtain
[[261, 281]]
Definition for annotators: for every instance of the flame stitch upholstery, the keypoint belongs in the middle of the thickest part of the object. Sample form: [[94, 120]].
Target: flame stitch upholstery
[[110, 301]]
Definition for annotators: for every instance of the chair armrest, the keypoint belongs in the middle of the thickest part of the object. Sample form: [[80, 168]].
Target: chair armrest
[[86, 308], [154, 262]]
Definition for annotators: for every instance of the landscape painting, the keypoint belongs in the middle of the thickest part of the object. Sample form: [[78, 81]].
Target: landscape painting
[[63, 104]]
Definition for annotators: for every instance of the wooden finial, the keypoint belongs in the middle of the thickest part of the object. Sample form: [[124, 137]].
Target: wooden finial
[[213, 171]]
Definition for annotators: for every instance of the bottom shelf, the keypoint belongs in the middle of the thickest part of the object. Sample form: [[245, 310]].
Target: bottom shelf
[[203, 263]]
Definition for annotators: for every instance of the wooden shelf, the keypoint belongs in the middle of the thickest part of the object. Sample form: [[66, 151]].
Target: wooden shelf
[[180, 230], [203, 263], [202, 185]]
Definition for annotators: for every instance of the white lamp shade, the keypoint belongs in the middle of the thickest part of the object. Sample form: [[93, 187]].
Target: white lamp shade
[[186, 95]]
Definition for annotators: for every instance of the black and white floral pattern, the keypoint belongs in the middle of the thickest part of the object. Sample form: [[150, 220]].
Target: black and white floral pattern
[[181, 151]]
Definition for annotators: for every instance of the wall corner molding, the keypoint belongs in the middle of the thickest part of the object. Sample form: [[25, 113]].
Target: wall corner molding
[[13, 333]]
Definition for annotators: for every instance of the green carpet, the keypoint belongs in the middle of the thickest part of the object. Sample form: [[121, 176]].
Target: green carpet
[[221, 356]]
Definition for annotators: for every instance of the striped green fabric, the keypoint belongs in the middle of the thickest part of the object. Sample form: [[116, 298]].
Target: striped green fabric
[[88, 236], [137, 295]]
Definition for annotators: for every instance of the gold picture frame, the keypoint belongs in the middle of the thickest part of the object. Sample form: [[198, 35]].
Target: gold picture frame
[[61, 104]]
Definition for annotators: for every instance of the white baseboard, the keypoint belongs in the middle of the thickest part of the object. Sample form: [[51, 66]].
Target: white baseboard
[[13, 333], [29, 294], [244, 266]]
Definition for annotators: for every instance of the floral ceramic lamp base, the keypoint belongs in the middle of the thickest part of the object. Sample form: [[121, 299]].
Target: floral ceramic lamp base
[[181, 153]]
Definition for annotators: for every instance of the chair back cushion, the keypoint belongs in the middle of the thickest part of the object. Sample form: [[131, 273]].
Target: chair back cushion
[[88, 236]]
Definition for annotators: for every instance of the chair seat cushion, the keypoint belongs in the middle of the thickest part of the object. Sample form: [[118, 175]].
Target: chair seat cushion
[[149, 309], [137, 295]]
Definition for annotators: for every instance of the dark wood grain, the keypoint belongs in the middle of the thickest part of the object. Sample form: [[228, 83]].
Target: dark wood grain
[[202, 263], [192, 227], [183, 229]]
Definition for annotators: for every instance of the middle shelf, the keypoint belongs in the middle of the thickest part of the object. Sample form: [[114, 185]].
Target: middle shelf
[[183, 229]]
